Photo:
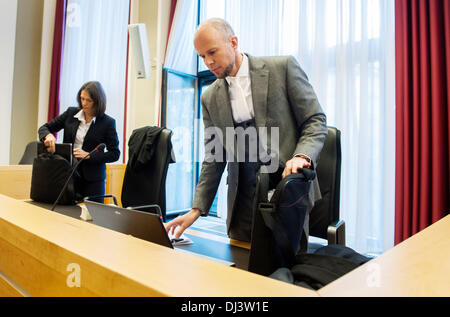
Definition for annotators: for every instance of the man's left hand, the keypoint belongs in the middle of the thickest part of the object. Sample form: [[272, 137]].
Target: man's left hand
[[294, 164]]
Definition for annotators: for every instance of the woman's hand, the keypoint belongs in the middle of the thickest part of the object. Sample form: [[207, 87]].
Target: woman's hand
[[49, 142], [79, 154]]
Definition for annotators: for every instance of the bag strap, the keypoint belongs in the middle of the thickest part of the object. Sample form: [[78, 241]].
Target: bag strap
[[263, 184], [269, 214], [267, 211]]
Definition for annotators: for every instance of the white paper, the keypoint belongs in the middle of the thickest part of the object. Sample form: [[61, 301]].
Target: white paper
[[85, 215], [185, 240]]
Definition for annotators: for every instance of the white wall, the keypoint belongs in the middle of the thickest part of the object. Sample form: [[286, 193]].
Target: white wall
[[8, 16], [144, 95], [26, 77]]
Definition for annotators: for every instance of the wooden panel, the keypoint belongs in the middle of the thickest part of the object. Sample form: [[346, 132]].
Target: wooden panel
[[41, 268], [37, 246], [15, 181], [114, 180], [7, 289], [419, 266]]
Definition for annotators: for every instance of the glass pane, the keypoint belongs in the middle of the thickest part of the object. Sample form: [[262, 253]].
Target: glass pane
[[181, 120], [181, 54], [219, 206]]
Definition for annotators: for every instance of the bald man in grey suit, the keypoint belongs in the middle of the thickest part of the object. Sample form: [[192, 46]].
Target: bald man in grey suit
[[276, 95]]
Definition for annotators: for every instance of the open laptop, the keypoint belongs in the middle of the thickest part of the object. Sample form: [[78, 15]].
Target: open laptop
[[63, 149], [144, 225]]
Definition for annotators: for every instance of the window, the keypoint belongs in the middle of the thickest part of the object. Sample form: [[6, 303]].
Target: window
[[347, 48], [181, 110], [95, 48], [219, 206], [182, 115]]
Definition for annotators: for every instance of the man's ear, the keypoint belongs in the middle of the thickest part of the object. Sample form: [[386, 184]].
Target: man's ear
[[234, 42]]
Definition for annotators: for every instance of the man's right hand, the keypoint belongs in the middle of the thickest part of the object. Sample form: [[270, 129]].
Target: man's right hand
[[49, 142], [182, 222]]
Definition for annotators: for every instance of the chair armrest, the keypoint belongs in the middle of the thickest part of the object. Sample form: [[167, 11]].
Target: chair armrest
[[147, 206], [104, 196], [336, 233]]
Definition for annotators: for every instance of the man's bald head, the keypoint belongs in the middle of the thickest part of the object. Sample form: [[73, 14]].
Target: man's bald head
[[220, 25], [217, 45]]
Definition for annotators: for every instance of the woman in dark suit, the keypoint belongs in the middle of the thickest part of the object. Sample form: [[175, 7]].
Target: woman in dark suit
[[86, 127]]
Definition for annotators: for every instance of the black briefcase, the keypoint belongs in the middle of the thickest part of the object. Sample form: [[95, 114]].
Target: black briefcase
[[278, 224], [50, 173]]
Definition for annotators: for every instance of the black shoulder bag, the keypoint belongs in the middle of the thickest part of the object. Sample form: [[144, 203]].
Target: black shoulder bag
[[50, 173]]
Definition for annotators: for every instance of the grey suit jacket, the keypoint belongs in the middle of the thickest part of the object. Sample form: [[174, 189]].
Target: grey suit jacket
[[283, 99]]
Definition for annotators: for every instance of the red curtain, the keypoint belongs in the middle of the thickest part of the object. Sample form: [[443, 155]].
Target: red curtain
[[422, 114], [58, 46]]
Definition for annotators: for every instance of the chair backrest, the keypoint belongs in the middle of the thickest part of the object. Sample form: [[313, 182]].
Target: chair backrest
[[30, 153], [147, 185], [326, 210]]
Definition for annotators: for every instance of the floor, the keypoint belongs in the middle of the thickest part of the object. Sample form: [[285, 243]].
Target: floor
[[218, 226], [211, 225]]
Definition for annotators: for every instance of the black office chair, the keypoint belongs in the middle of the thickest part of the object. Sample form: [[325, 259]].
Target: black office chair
[[145, 184], [29, 154], [324, 219]]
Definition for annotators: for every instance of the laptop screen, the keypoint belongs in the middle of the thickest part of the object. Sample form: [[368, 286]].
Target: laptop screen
[[144, 225], [63, 149]]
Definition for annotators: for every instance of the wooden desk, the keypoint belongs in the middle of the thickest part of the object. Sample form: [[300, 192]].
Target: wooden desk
[[44, 252], [204, 243], [15, 181], [419, 266]]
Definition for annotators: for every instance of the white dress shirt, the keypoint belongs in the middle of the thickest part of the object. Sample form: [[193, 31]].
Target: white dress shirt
[[82, 129], [240, 92]]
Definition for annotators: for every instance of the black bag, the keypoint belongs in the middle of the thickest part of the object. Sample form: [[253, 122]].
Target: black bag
[[277, 229], [280, 219], [50, 173], [325, 265]]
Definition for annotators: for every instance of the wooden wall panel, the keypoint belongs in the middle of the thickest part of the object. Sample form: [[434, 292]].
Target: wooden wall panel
[[15, 181]]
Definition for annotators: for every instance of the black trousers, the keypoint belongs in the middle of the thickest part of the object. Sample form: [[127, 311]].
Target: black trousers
[[241, 222], [86, 188]]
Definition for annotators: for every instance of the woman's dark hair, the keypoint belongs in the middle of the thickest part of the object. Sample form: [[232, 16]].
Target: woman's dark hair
[[97, 94]]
